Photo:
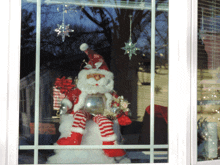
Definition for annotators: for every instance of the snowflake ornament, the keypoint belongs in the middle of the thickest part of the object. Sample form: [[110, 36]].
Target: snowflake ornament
[[63, 31], [130, 48]]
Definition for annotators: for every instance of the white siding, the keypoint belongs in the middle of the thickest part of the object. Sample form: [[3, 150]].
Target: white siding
[[161, 98]]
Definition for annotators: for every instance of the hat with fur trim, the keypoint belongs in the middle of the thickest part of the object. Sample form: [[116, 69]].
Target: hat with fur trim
[[96, 61]]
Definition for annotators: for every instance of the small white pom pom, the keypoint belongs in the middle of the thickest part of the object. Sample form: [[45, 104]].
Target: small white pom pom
[[84, 47]]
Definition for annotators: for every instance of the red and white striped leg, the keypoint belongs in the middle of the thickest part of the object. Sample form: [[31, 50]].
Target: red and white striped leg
[[77, 130], [108, 136]]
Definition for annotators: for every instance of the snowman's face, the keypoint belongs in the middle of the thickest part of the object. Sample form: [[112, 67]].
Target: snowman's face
[[96, 76], [96, 81]]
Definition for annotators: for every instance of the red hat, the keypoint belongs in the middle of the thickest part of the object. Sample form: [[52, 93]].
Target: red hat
[[95, 60]]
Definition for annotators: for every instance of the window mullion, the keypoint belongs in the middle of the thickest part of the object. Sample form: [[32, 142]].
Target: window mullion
[[152, 80], [37, 84], [122, 4], [27, 147]]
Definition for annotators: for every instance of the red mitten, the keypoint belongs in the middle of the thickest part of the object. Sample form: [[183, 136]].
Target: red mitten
[[123, 119]]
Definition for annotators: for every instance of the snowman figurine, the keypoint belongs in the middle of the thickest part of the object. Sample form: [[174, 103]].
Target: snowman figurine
[[85, 107]]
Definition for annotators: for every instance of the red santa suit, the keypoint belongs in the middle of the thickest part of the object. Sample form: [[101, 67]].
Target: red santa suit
[[94, 79]]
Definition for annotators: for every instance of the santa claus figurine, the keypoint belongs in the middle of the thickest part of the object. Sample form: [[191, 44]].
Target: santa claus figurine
[[91, 97]]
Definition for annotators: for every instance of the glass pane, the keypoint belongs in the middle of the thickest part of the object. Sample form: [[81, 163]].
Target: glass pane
[[98, 93], [208, 103], [44, 155], [27, 66], [26, 157], [161, 155], [143, 155]]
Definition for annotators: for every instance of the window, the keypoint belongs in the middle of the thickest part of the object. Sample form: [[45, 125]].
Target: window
[[105, 31], [172, 106], [208, 82]]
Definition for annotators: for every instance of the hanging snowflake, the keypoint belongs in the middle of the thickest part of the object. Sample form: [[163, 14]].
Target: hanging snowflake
[[130, 48], [63, 30]]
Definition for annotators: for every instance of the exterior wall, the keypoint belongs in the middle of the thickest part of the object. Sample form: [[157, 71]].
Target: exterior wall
[[211, 42], [208, 96], [161, 97], [47, 79], [46, 104], [26, 83]]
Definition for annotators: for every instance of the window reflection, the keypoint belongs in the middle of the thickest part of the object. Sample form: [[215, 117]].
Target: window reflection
[[208, 83]]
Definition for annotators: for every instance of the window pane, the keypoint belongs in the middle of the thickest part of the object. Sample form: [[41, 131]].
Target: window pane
[[161, 155], [208, 80], [143, 156], [26, 157], [27, 79], [76, 79]]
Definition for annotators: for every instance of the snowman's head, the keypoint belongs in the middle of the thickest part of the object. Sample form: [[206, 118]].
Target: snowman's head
[[96, 77], [94, 81]]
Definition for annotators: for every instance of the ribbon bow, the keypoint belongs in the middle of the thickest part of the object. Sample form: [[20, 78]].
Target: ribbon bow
[[65, 85]]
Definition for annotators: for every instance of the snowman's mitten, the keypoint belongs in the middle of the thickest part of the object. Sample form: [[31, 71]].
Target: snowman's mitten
[[67, 103]]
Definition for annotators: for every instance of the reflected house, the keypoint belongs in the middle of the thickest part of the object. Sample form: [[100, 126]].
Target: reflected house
[[211, 42], [47, 124], [144, 89], [136, 133], [27, 104], [208, 76], [57, 67]]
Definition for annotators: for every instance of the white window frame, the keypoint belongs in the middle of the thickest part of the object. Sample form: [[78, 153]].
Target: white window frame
[[181, 41]]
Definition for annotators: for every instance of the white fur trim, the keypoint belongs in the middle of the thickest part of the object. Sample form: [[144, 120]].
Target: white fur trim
[[67, 102], [66, 122], [98, 64], [88, 66], [81, 102], [109, 138], [84, 72], [109, 100], [78, 130], [84, 47]]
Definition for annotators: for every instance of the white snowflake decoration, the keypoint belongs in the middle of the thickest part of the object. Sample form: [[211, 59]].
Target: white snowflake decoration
[[63, 30], [129, 47]]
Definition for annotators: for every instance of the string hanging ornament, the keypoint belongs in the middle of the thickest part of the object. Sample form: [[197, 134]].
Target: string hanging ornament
[[63, 30], [129, 47]]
